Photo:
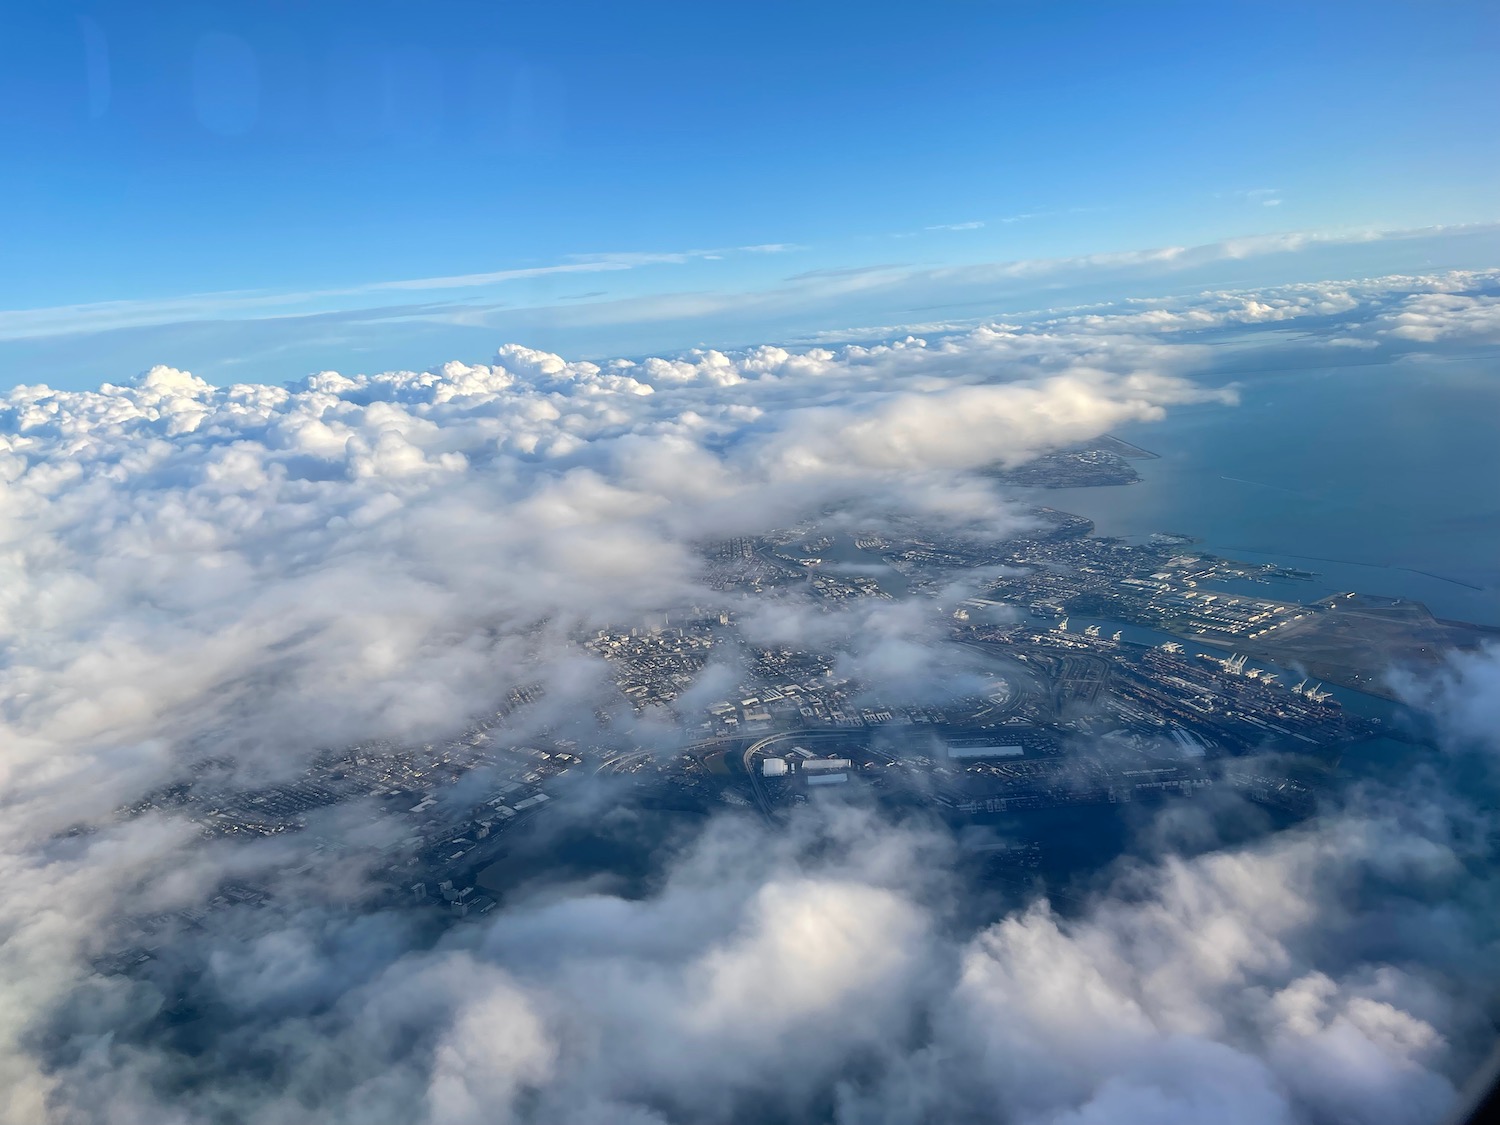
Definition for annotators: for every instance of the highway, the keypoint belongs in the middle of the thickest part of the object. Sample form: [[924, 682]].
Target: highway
[[615, 761]]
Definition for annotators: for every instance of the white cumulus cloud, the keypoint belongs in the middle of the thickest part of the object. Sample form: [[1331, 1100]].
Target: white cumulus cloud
[[251, 573]]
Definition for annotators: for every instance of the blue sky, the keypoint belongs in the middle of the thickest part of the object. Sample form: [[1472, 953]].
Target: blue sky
[[237, 186]]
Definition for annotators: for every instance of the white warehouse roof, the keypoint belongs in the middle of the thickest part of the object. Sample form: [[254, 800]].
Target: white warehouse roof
[[985, 751]]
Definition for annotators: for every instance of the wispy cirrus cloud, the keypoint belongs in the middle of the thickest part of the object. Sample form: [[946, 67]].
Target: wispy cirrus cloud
[[280, 335], [1264, 196], [100, 316]]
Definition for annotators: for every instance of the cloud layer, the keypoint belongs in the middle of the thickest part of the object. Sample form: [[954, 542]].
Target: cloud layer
[[256, 572]]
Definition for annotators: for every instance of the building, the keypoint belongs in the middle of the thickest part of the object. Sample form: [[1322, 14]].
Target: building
[[988, 751], [773, 767], [825, 765]]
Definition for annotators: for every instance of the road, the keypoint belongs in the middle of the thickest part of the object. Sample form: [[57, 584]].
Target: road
[[615, 761]]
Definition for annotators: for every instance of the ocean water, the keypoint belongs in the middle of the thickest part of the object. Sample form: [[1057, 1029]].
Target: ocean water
[[1382, 478]]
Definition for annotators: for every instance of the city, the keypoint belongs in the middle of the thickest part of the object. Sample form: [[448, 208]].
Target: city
[[1065, 711]]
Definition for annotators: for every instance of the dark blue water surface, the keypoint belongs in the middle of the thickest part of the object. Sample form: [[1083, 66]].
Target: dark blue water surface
[[1382, 478]]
